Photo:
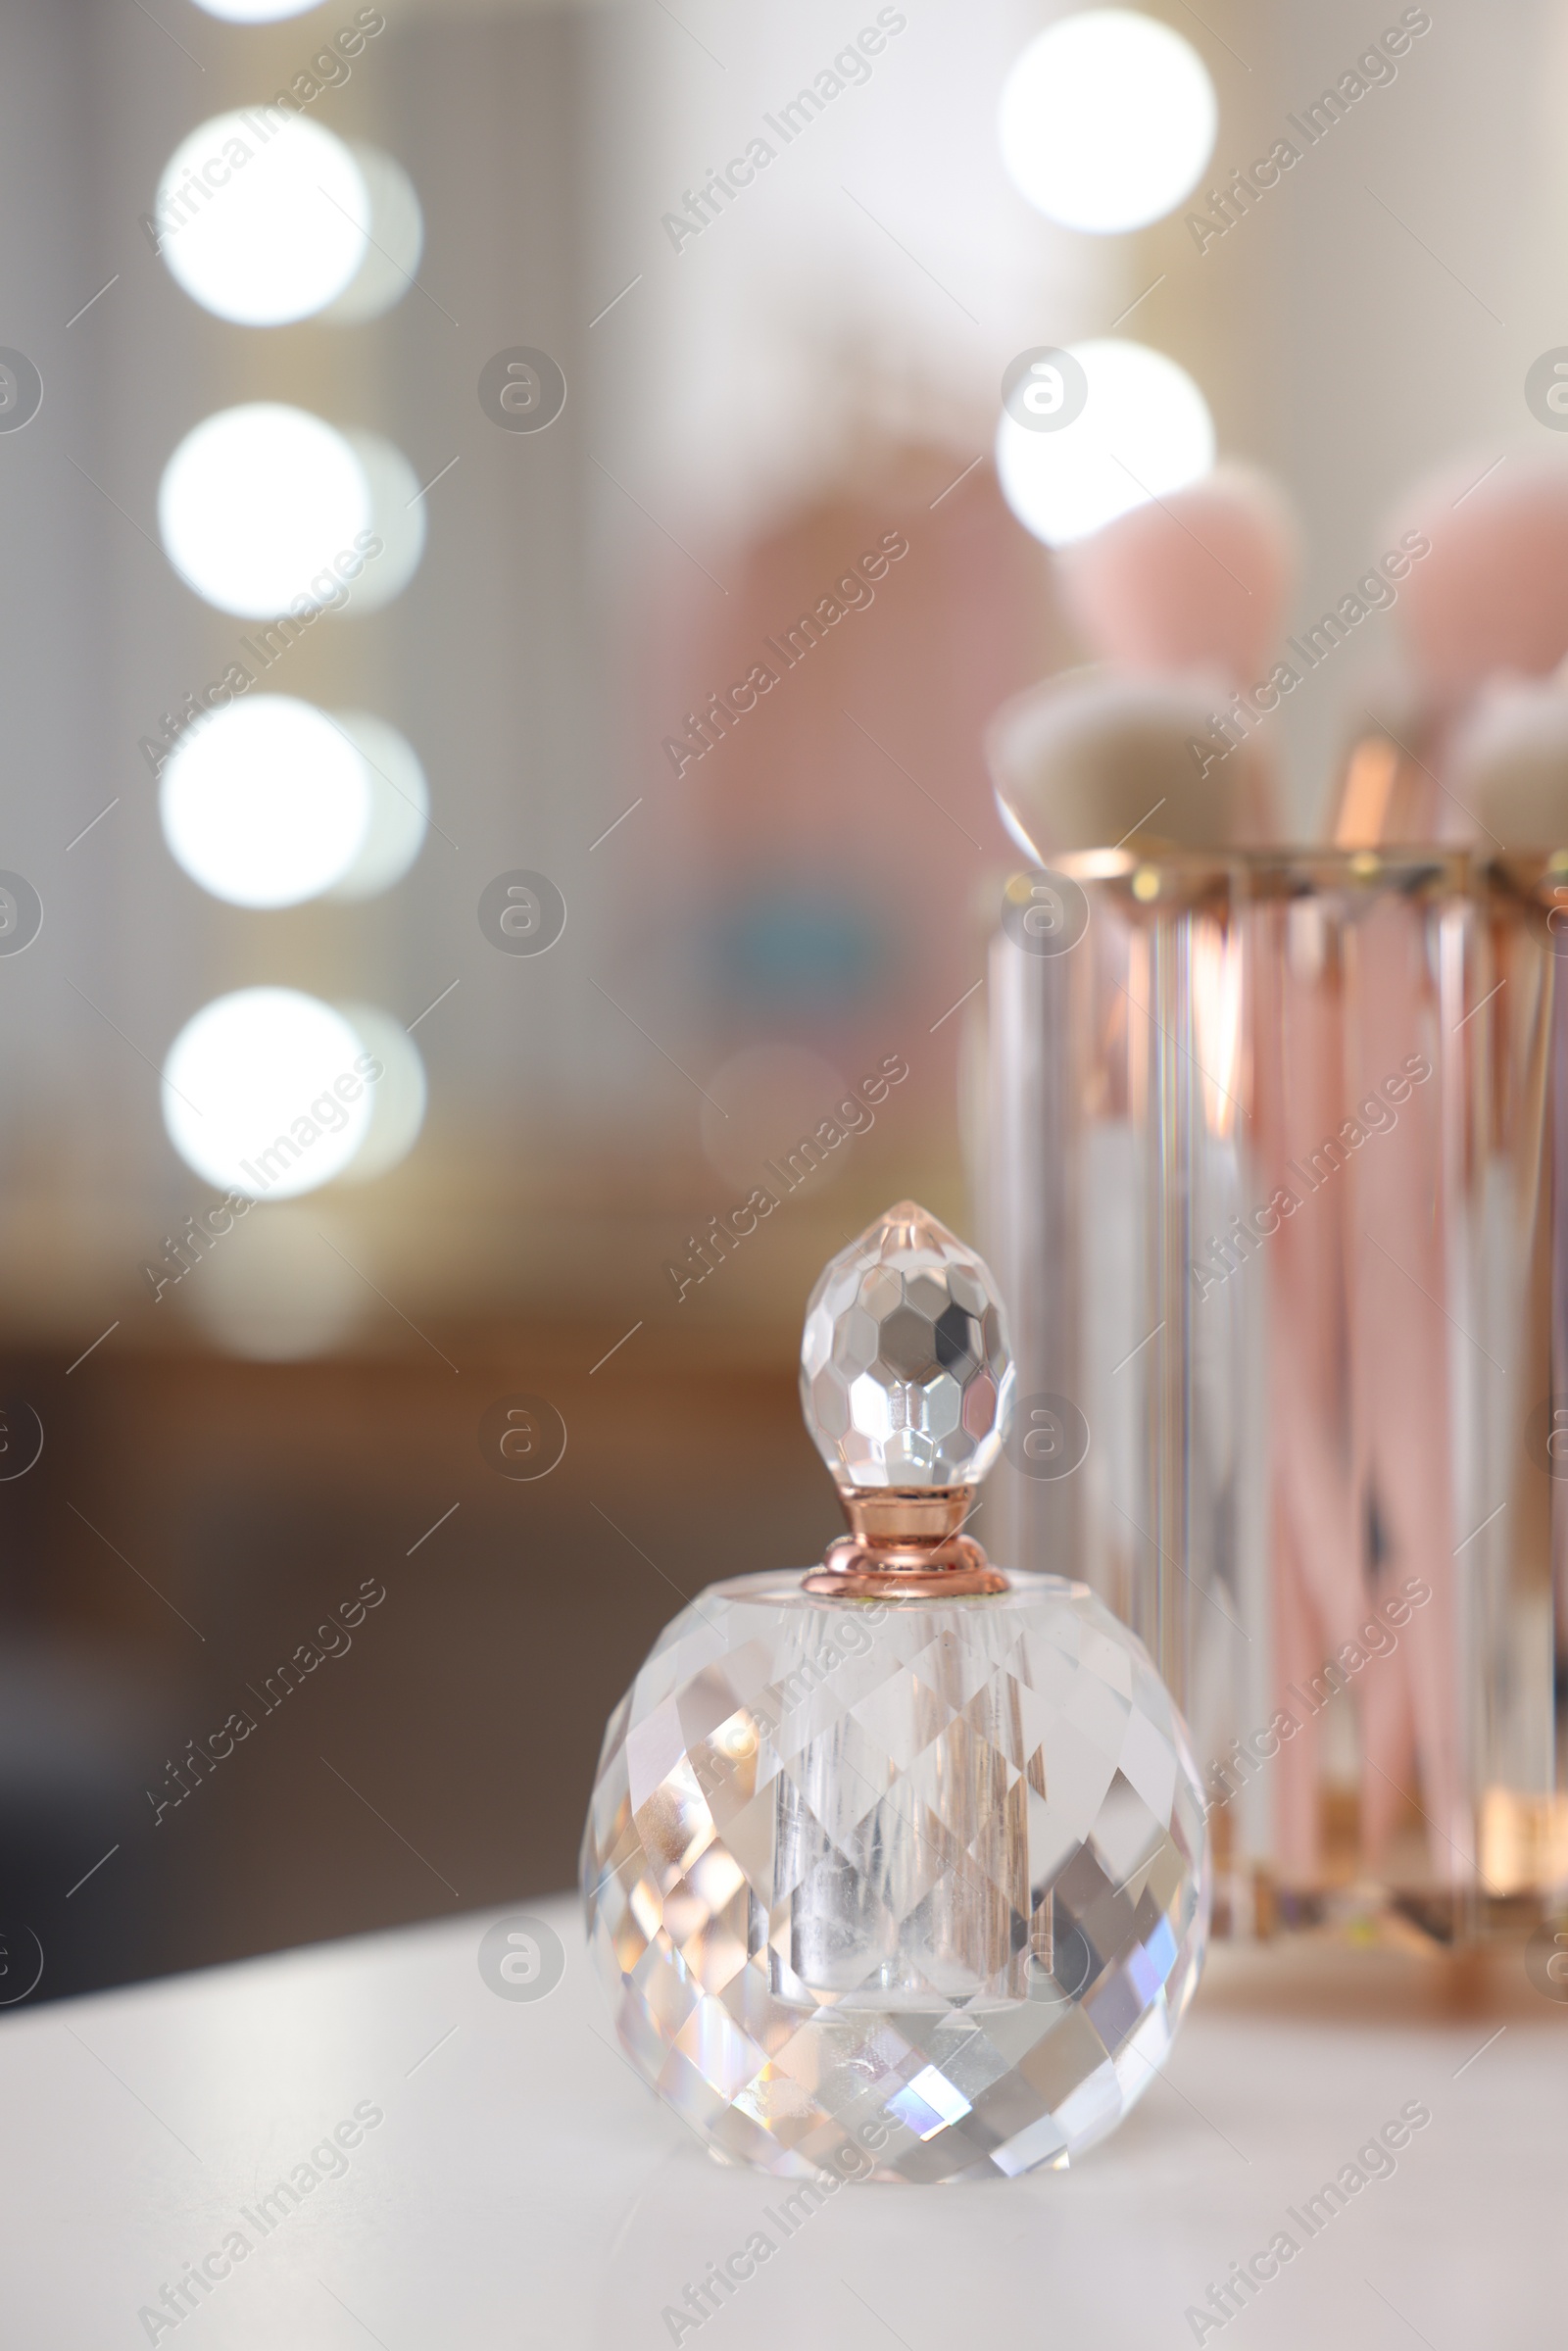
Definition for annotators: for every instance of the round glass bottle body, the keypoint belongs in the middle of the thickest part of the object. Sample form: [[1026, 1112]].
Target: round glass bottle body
[[912, 1888]]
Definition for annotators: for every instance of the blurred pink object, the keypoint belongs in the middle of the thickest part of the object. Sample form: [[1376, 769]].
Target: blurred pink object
[[1493, 595], [1278, 1176], [1484, 616], [834, 690], [1484, 612], [1199, 580], [1179, 601]]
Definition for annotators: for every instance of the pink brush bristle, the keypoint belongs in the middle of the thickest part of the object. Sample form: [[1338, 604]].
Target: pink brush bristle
[[1199, 580], [1491, 596]]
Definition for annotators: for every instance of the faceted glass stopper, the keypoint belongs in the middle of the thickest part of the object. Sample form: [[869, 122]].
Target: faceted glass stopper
[[906, 1373]]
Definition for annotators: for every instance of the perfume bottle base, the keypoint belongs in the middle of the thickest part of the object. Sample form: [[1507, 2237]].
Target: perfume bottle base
[[898, 1889]]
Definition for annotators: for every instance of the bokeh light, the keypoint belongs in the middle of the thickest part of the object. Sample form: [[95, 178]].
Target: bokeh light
[[262, 217], [261, 1094], [1145, 430], [1107, 120], [257, 12], [261, 509], [397, 1099], [398, 513], [393, 247], [283, 1285], [400, 801], [267, 802]]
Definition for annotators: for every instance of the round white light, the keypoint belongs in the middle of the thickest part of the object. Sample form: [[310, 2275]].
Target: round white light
[[262, 217], [1145, 430], [400, 802], [257, 12], [267, 802], [261, 1093], [397, 1094], [281, 1286], [398, 512], [259, 508], [393, 247], [1107, 120]]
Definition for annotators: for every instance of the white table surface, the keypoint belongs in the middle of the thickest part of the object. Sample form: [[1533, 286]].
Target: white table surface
[[524, 2189]]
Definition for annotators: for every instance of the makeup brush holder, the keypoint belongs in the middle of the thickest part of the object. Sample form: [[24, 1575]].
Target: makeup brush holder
[[1274, 1161]]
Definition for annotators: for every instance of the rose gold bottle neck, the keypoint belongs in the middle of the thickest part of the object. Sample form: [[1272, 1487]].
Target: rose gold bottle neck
[[905, 1542]]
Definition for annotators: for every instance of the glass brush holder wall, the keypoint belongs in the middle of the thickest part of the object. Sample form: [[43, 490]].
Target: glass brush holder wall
[[1275, 1165]]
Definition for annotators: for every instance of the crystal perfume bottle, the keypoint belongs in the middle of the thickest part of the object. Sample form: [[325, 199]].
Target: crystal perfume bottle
[[897, 1867]]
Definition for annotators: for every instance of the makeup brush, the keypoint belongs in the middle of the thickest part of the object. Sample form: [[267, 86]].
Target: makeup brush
[[1398, 1217], [1509, 762], [1316, 1588], [1101, 757], [1089, 760], [1487, 599], [1180, 595], [1209, 577], [1180, 603], [1197, 581], [1139, 750], [1092, 758], [1493, 595], [1195, 586], [1509, 768]]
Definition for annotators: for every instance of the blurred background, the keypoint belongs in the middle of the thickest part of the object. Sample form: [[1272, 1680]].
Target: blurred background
[[591, 428]]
